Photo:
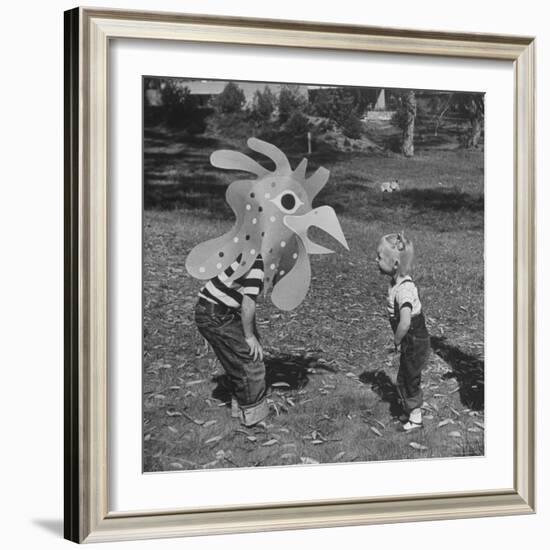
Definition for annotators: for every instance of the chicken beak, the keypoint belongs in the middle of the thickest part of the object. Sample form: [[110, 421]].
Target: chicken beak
[[323, 217]]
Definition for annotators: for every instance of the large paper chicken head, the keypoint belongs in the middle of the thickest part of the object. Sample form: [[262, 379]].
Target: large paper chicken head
[[273, 214]]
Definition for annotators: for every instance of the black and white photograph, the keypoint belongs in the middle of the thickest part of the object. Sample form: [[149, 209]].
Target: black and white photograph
[[313, 274]]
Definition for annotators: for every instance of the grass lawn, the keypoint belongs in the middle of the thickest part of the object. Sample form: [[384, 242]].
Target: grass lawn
[[328, 363]]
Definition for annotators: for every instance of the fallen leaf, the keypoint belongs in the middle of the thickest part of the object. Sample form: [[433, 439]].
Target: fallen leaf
[[308, 460], [176, 465], [159, 396], [474, 430], [209, 423], [270, 442], [214, 439], [375, 431], [172, 429], [455, 434], [280, 385], [338, 456], [286, 456], [480, 425], [317, 442], [251, 438], [417, 446], [171, 412], [445, 422], [147, 437]]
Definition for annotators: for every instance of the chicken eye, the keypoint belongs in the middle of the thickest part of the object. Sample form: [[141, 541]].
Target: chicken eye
[[287, 202]]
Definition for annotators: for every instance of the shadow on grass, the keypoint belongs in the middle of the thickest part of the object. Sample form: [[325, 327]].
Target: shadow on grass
[[204, 192], [468, 370], [382, 385], [443, 200], [292, 370]]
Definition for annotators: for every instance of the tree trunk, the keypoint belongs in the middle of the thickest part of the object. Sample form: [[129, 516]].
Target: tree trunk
[[475, 133], [408, 132]]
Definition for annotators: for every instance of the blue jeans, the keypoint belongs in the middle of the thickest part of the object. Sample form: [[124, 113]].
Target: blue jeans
[[224, 332], [415, 351]]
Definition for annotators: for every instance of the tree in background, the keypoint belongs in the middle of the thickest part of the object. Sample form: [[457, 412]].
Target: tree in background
[[404, 119], [472, 107], [290, 102], [231, 99], [182, 109], [297, 125], [439, 105], [263, 106], [341, 105]]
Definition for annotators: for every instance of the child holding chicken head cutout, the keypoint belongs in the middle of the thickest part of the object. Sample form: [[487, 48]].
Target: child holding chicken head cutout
[[267, 249], [394, 258]]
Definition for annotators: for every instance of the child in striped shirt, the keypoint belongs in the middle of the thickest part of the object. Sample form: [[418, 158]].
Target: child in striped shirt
[[394, 259], [225, 316]]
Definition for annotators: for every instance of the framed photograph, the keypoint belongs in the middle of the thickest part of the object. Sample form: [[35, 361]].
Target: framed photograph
[[299, 275]]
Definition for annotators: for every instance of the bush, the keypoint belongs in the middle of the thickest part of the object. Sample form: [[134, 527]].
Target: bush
[[182, 110], [290, 102], [297, 125], [231, 100], [352, 126]]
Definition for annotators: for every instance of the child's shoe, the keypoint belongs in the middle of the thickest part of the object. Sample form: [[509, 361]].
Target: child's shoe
[[414, 422]]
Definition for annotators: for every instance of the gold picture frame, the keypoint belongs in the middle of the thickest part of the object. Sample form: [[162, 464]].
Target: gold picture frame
[[87, 36]]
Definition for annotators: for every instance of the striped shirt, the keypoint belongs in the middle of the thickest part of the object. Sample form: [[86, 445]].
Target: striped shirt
[[221, 290], [403, 294]]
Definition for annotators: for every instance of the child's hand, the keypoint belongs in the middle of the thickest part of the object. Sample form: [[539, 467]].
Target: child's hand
[[255, 348]]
